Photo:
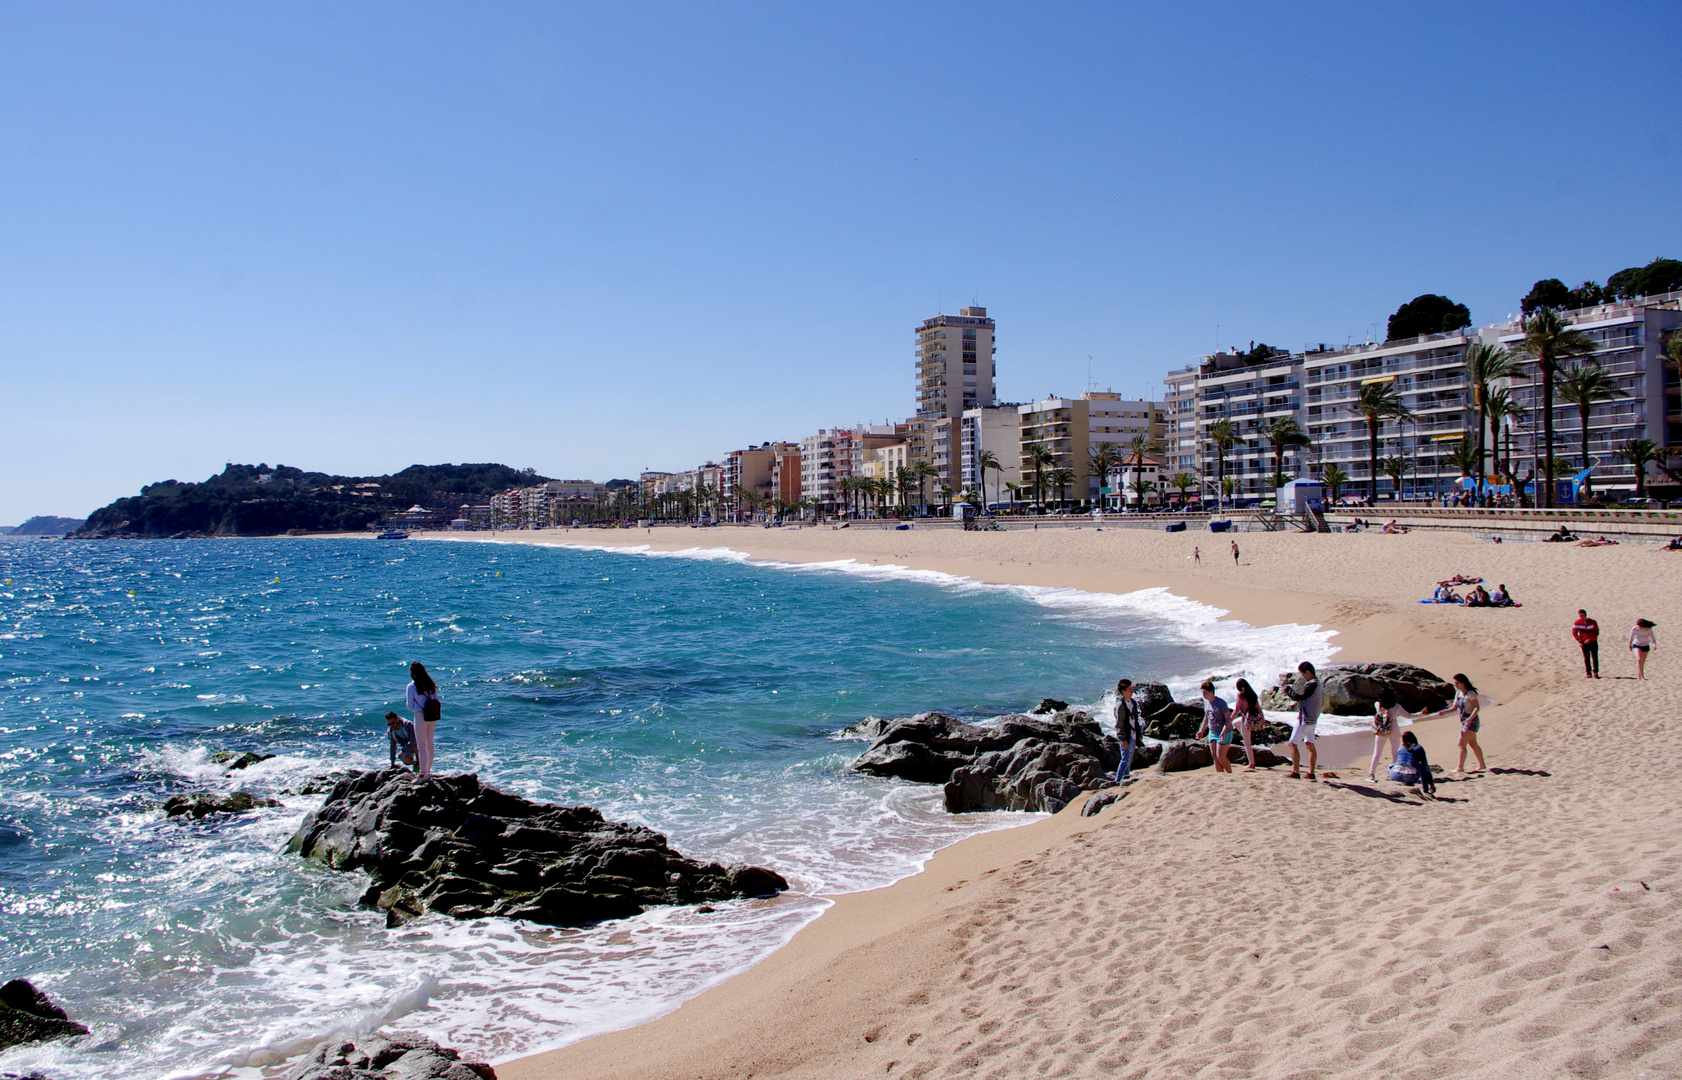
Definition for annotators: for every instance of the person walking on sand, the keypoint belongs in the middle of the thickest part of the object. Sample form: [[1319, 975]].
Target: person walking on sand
[[1216, 726], [1129, 729], [422, 699], [1587, 633], [1246, 718], [1642, 641], [1387, 721], [1466, 703], [1197, 556], [1235, 553], [1307, 696]]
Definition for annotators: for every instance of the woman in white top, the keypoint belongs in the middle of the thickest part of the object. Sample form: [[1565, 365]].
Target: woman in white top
[[422, 699], [1388, 720], [1641, 642]]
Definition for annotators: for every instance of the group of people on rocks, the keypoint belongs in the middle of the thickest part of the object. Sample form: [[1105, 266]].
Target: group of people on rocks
[[1223, 723]]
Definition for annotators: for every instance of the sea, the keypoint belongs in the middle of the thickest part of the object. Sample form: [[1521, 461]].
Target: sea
[[699, 693]]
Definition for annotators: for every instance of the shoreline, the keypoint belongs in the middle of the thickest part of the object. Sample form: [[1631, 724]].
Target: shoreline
[[809, 1009]]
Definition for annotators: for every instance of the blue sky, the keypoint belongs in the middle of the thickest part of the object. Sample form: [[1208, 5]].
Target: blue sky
[[596, 239]]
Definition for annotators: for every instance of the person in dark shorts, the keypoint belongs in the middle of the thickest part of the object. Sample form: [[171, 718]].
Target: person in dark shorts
[[1587, 633]]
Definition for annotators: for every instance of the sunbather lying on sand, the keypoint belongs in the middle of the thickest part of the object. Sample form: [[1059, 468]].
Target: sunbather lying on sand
[[1599, 541]]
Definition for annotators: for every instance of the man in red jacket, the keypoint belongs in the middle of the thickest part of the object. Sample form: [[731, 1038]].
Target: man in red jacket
[[1587, 633]]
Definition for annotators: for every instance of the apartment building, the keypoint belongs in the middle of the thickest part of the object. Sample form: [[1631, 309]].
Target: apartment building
[[833, 455], [884, 462], [995, 429], [753, 471], [1072, 428], [955, 355], [1180, 438]]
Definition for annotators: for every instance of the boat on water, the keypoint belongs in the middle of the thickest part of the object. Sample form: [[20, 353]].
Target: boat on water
[[393, 534]]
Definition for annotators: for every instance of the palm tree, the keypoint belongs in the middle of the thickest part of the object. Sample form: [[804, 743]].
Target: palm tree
[[1282, 432], [1585, 386], [1379, 402], [1504, 409], [1041, 455], [1466, 456], [1485, 365], [1141, 488], [1334, 477], [945, 490], [906, 479], [1142, 446], [923, 471], [1223, 435], [1061, 479], [1395, 468], [1101, 462], [984, 461], [1013, 487], [1550, 341], [1183, 480], [1638, 452]]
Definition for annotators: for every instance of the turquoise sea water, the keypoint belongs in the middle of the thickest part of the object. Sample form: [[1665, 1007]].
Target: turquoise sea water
[[699, 694]]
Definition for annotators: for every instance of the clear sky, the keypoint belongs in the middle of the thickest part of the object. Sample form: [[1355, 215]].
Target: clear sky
[[594, 239]]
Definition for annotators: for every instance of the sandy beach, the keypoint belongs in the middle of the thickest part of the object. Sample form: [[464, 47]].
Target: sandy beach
[[1527, 923]]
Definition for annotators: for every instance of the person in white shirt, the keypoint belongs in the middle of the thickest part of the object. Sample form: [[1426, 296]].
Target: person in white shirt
[[422, 699], [1642, 641], [1388, 720]]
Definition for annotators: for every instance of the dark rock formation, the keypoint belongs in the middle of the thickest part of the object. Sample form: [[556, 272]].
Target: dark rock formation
[[201, 805], [1175, 720], [1185, 756], [27, 1015], [1050, 705], [1144, 756], [317, 785], [399, 1055], [1268, 734], [1352, 689], [1024, 763], [455, 846], [1151, 697], [1097, 802], [233, 759]]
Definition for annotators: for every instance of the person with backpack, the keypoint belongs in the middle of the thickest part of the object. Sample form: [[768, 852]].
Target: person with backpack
[[422, 699], [1129, 729]]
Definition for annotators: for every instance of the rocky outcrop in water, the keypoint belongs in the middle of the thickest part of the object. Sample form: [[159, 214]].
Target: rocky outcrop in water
[[199, 805], [27, 1016], [1353, 689], [1023, 763], [455, 846], [399, 1055], [233, 759]]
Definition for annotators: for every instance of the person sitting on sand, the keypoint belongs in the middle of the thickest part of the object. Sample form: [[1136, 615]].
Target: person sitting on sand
[[1674, 545], [1642, 641], [400, 734], [1563, 536], [1445, 595], [1129, 729], [1387, 721], [1477, 597], [1307, 696], [1216, 726], [1412, 766], [1500, 597], [1247, 718], [1466, 703]]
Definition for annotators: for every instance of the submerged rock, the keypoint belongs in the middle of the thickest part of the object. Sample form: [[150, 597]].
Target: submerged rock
[[27, 1016], [399, 1055], [1353, 689], [233, 759], [1024, 763], [200, 804], [454, 846], [1050, 705]]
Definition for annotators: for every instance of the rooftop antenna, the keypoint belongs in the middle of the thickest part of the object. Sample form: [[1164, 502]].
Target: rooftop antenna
[[1090, 385]]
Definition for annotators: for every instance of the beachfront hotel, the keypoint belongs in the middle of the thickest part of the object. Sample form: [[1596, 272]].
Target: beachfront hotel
[[954, 372]]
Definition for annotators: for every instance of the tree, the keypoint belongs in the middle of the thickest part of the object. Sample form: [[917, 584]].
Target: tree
[[1282, 432], [1465, 457], [1428, 314], [924, 472], [1639, 453], [1013, 487], [1547, 293], [1585, 386], [1183, 480], [1061, 479], [1101, 462], [1485, 365], [1549, 340], [1223, 435], [1142, 446], [905, 478], [1503, 411], [1396, 467], [1377, 403], [984, 461], [1658, 276], [1141, 488], [1041, 455], [1335, 478]]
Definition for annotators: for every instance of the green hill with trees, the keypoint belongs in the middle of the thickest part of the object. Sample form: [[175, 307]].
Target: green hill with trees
[[255, 500]]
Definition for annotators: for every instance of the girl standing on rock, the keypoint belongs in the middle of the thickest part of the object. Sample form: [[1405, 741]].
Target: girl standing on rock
[[1247, 718], [422, 699]]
